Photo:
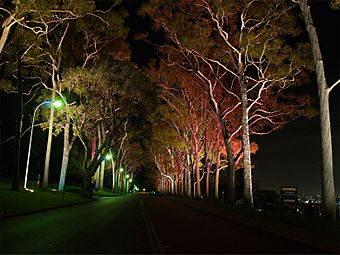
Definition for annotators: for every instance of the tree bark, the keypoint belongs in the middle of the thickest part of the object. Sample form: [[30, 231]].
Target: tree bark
[[197, 169], [328, 189], [6, 24], [207, 182], [247, 176], [50, 131], [66, 153], [231, 168], [99, 167], [217, 175]]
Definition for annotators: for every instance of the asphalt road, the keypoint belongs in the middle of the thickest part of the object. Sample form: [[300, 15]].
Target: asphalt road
[[136, 224]]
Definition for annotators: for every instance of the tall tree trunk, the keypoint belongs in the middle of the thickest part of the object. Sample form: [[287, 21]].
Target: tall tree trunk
[[182, 182], [50, 130], [197, 169], [66, 153], [17, 149], [247, 176], [99, 166], [6, 24], [207, 182], [328, 189], [231, 164], [101, 176], [217, 176], [102, 165], [188, 176], [113, 174]]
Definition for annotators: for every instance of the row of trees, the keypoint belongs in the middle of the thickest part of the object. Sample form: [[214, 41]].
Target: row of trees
[[227, 70], [75, 51], [231, 70]]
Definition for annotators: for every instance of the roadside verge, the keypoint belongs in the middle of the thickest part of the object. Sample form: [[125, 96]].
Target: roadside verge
[[317, 233]]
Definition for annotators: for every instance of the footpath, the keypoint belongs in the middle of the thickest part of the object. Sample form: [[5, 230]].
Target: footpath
[[314, 232]]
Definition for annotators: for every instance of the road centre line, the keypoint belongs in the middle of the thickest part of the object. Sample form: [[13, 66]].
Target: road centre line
[[156, 245]]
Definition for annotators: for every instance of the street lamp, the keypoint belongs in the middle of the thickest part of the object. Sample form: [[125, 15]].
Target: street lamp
[[56, 104], [108, 156]]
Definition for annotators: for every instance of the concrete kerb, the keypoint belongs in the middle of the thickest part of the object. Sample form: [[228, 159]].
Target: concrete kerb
[[280, 229]]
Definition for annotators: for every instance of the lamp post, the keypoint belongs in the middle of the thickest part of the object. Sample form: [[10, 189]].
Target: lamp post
[[56, 104], [127, 179], [110, 157]]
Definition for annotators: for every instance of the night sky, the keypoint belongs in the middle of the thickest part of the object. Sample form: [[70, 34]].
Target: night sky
[[291, 156]]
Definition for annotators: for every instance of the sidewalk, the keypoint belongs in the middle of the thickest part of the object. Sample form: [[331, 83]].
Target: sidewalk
[[314, 232]]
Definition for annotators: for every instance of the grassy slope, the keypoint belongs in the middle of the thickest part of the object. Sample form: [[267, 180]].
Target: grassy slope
[[12, 202]]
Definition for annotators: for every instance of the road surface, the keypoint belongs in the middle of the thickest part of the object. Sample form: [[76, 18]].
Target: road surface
[[136, 224]]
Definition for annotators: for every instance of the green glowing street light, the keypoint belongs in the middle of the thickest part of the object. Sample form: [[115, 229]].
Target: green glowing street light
[[108, 156], [56, 104]]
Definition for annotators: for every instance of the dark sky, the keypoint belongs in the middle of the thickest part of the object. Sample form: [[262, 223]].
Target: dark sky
[[293, 155]]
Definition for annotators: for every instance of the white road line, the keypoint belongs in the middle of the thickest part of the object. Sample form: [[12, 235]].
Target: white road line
[[156, 245]]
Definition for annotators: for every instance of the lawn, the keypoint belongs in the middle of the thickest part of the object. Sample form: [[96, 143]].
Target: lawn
[[13, 202]]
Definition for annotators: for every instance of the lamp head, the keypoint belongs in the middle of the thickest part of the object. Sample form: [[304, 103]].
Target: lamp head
[[57, 104]]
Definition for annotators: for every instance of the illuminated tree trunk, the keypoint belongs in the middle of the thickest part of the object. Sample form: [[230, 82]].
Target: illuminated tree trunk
[[182, 183], [187, 172], [6, 24], [113, 174], [328, 189], [247, 176], [231, 171], [217, 175], [102, 165], [50, 129], [66, 153], [99, 166], [197, 168], [101, 176]]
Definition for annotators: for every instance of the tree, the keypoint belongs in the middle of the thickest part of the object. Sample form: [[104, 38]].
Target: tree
[[114, 94], [328, 189], [49, 25]]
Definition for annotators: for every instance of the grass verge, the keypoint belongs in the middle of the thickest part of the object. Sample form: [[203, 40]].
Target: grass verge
[[13, 202]]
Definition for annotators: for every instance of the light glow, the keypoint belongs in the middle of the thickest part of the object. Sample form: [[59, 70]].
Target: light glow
[[57, 104]]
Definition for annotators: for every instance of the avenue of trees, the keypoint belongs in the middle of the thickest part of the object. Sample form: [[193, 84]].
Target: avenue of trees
[[225, 72]]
